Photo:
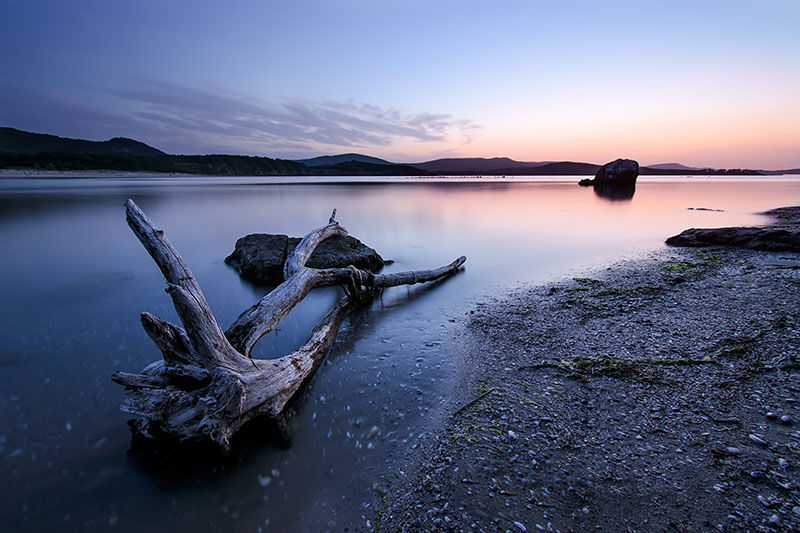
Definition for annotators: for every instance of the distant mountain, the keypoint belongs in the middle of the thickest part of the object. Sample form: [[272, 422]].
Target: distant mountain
[[14, 140], [22, 149], [209, 165], [342, 158], [560, 168], [363, 168], [499, 166], [25, 150], [672, 166], [679, 169], [779, 172], [650, 171], [472, 165], [504, 166]]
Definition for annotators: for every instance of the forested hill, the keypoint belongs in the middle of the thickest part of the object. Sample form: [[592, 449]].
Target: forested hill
[[24, 150], [211, 165], [14, 140], [325, 160], [35, 151]]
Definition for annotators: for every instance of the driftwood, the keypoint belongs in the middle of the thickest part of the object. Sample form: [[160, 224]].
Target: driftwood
[[207, 387]]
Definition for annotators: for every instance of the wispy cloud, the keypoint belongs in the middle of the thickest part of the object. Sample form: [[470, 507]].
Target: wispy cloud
[[182, 119]]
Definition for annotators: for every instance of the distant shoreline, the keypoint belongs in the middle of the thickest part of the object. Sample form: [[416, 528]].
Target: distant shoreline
[[35, 151], [35, 173], [54, 174]]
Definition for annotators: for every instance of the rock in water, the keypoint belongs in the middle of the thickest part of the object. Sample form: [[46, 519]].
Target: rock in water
[[768, 239], [619, 171], [783, 236], [259, 257], [615, 180]]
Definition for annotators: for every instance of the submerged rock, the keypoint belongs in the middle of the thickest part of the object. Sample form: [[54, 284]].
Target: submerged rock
[[259, 257]]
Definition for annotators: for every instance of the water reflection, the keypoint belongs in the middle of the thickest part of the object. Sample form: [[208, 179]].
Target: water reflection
[[74, 280], [615, 192]]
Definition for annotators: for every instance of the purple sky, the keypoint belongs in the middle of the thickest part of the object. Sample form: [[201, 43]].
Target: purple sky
[[703, 83]]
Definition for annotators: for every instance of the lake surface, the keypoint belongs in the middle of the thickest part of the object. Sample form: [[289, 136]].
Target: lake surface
[[74, 280]]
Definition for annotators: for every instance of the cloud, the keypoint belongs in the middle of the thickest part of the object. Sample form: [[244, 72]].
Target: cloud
[[181, 119], [52, 111], [249, 124]]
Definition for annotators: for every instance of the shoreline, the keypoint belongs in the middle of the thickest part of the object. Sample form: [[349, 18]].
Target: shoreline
[[645, 398], [48, 174], [22, 173]]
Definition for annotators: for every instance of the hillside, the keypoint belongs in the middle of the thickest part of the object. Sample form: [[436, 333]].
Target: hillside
[[561, 168], [25, 150], [326, 160], [212, 165], [778, 172], [21, 149], [361, 168], [671, 166], [472, 165], [14, 140], [651, 171]]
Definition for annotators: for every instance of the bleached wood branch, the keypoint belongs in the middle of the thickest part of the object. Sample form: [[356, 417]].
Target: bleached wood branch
[[206, 387]]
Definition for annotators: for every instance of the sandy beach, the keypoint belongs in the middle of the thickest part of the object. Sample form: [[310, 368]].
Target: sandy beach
[[659, 394]]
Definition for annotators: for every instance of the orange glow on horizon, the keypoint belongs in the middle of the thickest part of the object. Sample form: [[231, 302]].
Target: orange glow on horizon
[[769, 144]]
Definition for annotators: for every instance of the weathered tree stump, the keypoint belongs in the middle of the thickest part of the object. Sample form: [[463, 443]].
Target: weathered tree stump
[[207, 387]]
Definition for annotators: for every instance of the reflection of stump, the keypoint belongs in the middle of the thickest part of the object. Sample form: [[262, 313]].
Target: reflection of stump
[[207, 387]]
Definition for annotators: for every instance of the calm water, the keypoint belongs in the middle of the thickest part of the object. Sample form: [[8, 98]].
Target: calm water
[[74, 280]]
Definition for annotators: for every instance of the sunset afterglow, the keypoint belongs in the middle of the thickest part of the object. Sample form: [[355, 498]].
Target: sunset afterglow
[[701, 83]]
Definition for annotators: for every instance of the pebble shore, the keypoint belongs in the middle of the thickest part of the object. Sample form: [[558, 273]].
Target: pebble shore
[[660, 394]]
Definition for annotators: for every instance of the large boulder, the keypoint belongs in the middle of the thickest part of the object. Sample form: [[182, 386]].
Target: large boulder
[[619, 171], [616, 173], [768, 239], [782, 236], [259, 257]]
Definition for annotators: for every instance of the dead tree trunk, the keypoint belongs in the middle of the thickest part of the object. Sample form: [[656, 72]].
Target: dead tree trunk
[[207, 387]]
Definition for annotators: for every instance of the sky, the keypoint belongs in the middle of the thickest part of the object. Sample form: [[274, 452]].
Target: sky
[[703, 83]]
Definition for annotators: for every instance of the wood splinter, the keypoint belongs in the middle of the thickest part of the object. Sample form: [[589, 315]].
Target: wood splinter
[[207, 387]]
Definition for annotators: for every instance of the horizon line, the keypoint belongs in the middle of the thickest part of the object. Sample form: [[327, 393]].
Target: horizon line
[[411, 163]]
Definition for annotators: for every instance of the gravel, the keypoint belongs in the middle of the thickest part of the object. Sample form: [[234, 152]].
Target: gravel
[[658, 394]]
